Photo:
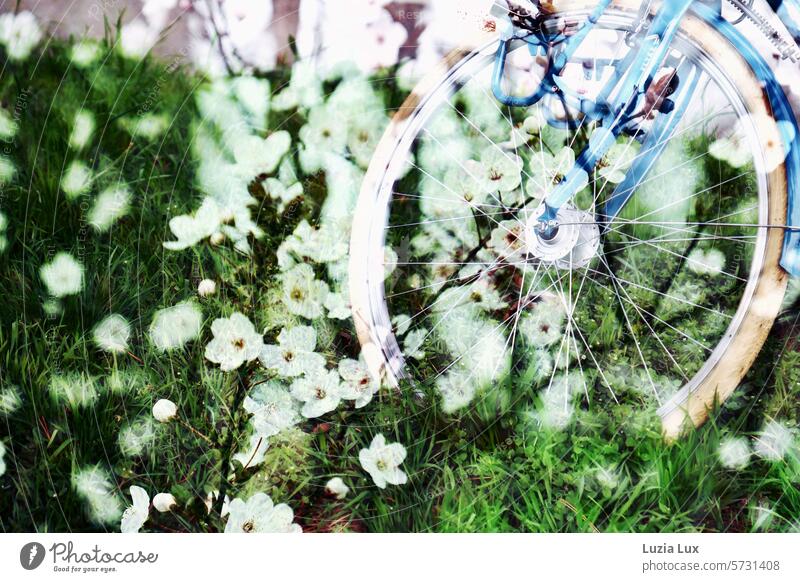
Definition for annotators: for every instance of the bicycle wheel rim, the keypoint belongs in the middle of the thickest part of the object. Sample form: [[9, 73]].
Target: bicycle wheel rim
[[372, 316]]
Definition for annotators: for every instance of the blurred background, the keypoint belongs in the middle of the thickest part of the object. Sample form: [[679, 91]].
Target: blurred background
[[220, 36]]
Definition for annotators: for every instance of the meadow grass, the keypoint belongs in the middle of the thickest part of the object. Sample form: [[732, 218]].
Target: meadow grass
[[489, 469]]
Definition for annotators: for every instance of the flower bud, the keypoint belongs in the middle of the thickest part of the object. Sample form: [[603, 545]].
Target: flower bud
[[337, 488], [206, 287], [164, 410], [164, 502]]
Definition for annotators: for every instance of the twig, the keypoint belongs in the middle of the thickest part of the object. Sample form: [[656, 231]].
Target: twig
[[195, 431], [219, 38], [253, 456], [227, 448]]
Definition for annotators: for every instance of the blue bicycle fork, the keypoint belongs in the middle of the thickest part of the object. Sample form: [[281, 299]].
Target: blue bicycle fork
[[629, 83]]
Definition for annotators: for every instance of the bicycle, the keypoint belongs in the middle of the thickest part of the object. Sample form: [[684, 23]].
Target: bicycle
[[602, 202]]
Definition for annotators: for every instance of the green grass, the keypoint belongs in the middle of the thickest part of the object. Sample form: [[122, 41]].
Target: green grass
[[490, 469]]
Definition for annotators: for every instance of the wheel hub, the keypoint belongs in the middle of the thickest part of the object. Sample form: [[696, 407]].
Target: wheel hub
[[568, 242]]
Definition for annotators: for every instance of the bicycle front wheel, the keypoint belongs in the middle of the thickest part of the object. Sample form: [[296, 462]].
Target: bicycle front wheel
[[666, 307]]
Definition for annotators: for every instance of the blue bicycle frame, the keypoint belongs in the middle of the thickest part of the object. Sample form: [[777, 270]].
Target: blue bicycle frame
[[630, 82]]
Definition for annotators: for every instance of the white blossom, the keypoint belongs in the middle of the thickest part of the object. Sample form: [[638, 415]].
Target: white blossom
[[10, 400], [499, 171], [256, 156], [382, 461], [254, 96], [774, 441], [63, 275], [678, 189], [358, 383], [7, 170], [77, 179], [383, 38], [260, 515], [303, 293], [409, 74], [320, 244], [19, 33], [324, 135], [84, 53], [294, 355], [477, 343], [733, 149], [82, 129], [304, 90], [112, 334], [508, 239], [734, 452], [149, 126], [136, 436], [737, 150], [136, 38], [413, 342], [556, 409], [110, 205], [535, 120], [338, 306], [547, 170], [364, 34], [618, 159], [233, 35], [457, 388], [483, 295], [365, 131], [608, 477], [543, 323], [343, 179], [320, 393], [272, 407], [134, 516], [3, 227], [401, 323], [450, 24], [173, 327], [710, 262], [95, 487], [235, 342], [164, 410], [191, 229], [8, 125]]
